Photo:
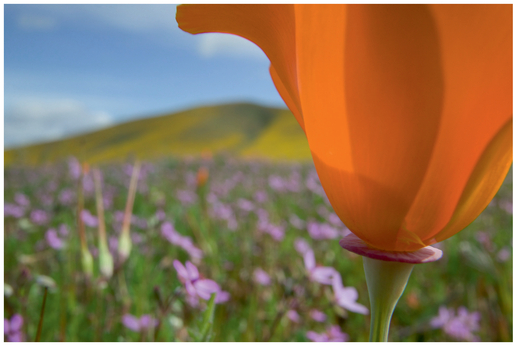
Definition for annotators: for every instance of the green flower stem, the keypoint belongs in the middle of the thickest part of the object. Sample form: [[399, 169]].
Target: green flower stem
[[386, 282]]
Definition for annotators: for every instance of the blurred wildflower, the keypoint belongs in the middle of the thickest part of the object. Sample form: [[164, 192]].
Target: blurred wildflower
[[13, 210], [332, 334], [335, 220], [144, 323], [322, 275], [461, 326], [13, 329], [296, 222], [318, 316], [504, 254], [45, 198], [346, 297], [301, 246], [293, 316], [245, 205], [186, 197], [169, 233], [89, 219], [53, 240], [160, 215], [88, 185], [261, 196], [39, 217], [313, 183], [201, 177], [113, 244], [21, 199], [320, 231], [63, 230], [261, 277], [196, 286], [223, 211], [276, 183], [276, 232], [67, 197], [74, 168]]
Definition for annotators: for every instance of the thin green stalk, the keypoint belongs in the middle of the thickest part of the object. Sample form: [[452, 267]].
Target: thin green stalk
[[124, 242], [42, 313], [386, 282], [105, 258]]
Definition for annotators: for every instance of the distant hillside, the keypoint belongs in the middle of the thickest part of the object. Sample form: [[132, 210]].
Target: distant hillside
[[245, 130]]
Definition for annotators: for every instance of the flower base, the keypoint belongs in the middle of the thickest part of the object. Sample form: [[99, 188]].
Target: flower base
[[387, 274]]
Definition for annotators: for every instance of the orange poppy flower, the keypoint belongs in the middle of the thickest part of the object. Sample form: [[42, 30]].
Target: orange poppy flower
[[407, 108]]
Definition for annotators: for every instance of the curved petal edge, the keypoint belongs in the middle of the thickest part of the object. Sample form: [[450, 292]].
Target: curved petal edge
[[354, 244]]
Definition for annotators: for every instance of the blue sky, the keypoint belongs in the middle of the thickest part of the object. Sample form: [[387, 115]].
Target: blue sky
[[75, 68]]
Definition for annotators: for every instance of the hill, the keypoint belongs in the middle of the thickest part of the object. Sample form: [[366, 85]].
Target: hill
[[244, 130]]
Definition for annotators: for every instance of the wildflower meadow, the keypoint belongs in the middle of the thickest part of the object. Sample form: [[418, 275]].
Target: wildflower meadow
[[222, 249]]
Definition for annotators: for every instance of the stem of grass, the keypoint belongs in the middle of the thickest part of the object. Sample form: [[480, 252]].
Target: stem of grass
[[42, 313]]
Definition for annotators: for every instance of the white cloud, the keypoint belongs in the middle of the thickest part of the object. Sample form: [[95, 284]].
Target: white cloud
[[135, 17], [36, 120], [29, 21], [128, 17], [227, 45]]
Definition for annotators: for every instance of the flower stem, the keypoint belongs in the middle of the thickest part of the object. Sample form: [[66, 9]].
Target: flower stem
[[386, 282], [42, 313]]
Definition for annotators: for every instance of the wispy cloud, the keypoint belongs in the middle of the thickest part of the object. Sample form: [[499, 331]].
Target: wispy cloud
[[35, 22], [134, 18], [210, 45], [37, 120]]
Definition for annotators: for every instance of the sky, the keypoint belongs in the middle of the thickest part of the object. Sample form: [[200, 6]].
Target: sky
[[71, 69]]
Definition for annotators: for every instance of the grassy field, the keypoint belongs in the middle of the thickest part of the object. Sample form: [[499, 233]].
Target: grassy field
[[244, 220]]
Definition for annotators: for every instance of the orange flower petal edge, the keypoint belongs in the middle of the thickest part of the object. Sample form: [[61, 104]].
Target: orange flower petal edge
[[407, 109]]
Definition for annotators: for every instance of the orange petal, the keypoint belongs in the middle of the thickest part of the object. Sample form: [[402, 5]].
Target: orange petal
[[371, 92], [487, 177], [271, 27], [476, 48], [289, 95]]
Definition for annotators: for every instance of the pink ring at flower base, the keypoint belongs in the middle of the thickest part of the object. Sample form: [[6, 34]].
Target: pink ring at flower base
[[356, 245]]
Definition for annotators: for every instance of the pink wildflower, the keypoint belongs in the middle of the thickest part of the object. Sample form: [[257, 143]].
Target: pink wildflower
[[322, 275], [346, 296], [245, 205], [261, 277], [196, 286], [39, 217], [13, 329], [89, 219], [332, 334], [13, 210], [318, 316], [53, 240], [293, 316], [21, 200], [145, 322], [460, 327]]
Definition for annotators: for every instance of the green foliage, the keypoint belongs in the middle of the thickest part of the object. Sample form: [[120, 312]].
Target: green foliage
[[202, 330]]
